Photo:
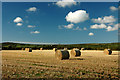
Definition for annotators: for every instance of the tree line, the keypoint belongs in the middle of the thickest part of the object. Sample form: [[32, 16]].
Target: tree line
[[92, 46]]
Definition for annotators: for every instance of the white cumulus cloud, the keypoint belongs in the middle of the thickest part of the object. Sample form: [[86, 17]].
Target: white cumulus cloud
[[91, 34], [105, 19], [109, 28], [19, 24], [113, 8], [31, 26], [32, 9], [77, 16], [69, 26], [96, 26], [65, 3], [35, 32], [18, 19], [115, 27]]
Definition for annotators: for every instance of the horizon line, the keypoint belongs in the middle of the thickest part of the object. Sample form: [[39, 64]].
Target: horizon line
[[56, 43]]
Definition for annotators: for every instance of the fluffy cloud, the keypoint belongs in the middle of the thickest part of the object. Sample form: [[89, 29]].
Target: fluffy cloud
[[19, 24], [32, 9], [35, 32], [69, 26], [91, 34], [115, 27], [31, 26], [113, 8], [77, 16], [78, 28], [103, 26], [96, 26], [65, 3], [105, 19], [17, 20], [109, 28]]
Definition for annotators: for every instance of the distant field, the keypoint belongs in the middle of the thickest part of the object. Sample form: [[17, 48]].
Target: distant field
[[43, 64]]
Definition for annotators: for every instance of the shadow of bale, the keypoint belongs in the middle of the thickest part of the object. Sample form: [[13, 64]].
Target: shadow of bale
[[76, 59], [114, 54]]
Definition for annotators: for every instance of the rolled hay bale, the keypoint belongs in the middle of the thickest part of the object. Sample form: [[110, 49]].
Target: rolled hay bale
[[65, 49], [62, 54], [23, 49], [54, 49], [41, 48], [107, 51], [75, 52], [82, 49], [29, 49], [26, 49]]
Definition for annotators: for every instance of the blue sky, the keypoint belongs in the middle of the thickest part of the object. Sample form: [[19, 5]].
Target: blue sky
[[57, 0], [0, 23], [48, 22]]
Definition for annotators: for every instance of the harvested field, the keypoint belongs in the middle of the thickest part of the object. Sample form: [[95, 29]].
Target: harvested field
[[43, 64]]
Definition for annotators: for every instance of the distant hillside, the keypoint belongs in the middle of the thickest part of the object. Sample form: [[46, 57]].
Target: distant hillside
[[93, 46]]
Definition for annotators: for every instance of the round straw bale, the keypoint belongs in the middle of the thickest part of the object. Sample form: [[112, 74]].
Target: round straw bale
[[62, 54], [26, 49], [23, 48], [107, 51], [41, 48], [29, 49], [54, 49], [75, 52], [82, 49], [65, 49]]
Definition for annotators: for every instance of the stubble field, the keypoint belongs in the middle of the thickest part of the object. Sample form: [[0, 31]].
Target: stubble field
[[43, 64]]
